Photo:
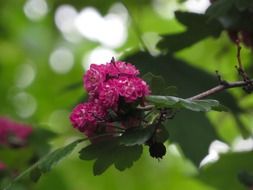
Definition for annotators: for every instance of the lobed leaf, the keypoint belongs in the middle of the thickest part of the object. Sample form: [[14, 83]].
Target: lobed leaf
[[244, 4], [158, 85], [163, 101], [193, 105], [230, 166], [45, 164], [198, 27], [219, 8], [107, 153], [49, 161], [137, 136], [193, 133], [95, 150]]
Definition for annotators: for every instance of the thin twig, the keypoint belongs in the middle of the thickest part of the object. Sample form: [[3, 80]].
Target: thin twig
[[219, 88], [136, 27], [238, 55]]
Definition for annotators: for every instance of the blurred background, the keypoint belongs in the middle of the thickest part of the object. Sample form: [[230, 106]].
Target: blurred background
[[45, 48]]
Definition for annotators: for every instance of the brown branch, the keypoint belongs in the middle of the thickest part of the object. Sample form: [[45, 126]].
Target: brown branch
[[220, 88]]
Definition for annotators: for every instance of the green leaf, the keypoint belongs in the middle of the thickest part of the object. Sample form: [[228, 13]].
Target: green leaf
[[243, 4], [229, 167], [107, 153], [39, 141], [215, 105], [185, 76], [53, 158], [164, 101], [198, 27], [95, 150], [45, 164], [122, 157], [126, 155], [137, 136], [232, 14], [246, 178], [102, 164], [158, 86], [193, 132], [202, 105], [228, 7], [219, 8], [49, 161], [35, 174], [193, 105]]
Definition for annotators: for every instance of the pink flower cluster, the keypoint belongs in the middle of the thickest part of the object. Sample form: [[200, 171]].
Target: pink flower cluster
[[107, 86], [2, 166], [12, 133]]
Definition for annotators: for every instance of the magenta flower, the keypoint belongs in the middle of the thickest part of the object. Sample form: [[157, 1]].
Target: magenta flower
[[84, 116], [118, 68], [12, 132], [109, 95], [132, 88], [106, 85], [4, 130], [94, 77], [2, 166]]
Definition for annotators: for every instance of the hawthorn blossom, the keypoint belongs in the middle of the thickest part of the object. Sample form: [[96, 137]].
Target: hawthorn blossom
[[107, 85], [84, 116], [13, 133], [113, 80], [2, 166], [117, 68], [109, 95], [132, 88], [94, 77]]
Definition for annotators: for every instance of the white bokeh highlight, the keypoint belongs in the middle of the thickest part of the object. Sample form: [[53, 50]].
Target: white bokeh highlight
[[25, 104], [59, 121], [240, 144], [61, 60], [215, 148], [151, 39], [110, 31], [26, 74], [197, 6], [35, 9], [64, 18], [165, 8], [99, 55]]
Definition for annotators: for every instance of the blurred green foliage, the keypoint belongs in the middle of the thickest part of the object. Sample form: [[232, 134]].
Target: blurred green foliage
[[32, 91]]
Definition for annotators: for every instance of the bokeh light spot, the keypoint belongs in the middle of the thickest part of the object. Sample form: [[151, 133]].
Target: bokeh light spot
[[35, 9], [61, 60], [25, 75], [99, 55], [25, 104]]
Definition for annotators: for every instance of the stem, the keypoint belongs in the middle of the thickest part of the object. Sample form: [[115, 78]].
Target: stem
[[145, 108], [36, 164], [220, 88], [238, 55], [136, 27]]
